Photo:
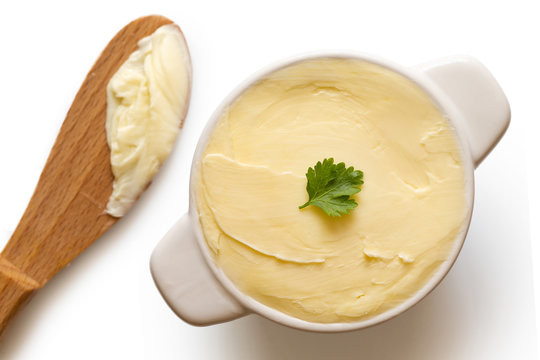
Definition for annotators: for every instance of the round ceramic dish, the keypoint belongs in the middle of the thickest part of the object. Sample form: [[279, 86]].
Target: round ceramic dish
[[201, 294]]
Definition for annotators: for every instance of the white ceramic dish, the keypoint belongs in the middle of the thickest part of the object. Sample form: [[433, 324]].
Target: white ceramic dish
[[201, 294]]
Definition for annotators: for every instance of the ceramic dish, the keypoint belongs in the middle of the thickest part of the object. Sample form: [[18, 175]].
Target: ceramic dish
[[201, 294]]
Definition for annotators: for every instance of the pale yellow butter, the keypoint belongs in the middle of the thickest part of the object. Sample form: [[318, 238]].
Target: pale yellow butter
[[302, 262], [146, 101]]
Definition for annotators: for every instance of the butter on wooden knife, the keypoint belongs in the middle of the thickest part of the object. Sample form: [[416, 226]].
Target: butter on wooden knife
[[129, 109], [147, 99]]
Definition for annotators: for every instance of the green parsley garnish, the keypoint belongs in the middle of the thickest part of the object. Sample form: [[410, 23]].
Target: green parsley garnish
[[330, 185]]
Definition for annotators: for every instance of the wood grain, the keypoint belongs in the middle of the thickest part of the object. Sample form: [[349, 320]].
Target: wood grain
[[67, 211]]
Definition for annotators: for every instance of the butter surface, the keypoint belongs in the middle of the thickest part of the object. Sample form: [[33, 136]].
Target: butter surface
[[146, 101], [302, 262]]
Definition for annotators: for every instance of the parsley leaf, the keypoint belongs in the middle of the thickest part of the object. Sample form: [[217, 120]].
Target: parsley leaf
[[329, 186]]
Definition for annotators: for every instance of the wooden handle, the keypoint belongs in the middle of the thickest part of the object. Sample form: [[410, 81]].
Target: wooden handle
[[16, 289]]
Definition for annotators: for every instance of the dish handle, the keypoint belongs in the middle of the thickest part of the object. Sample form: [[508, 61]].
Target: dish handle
[[477, 95], [186, 282]]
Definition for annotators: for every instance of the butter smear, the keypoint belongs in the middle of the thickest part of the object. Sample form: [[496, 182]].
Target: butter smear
[[147, 99], [301, 262]]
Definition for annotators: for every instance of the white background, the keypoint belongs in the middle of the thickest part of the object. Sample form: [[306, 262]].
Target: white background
[[105, 305]]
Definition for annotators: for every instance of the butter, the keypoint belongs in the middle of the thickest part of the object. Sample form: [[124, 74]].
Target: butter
[[147, 99], [303, 262]]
